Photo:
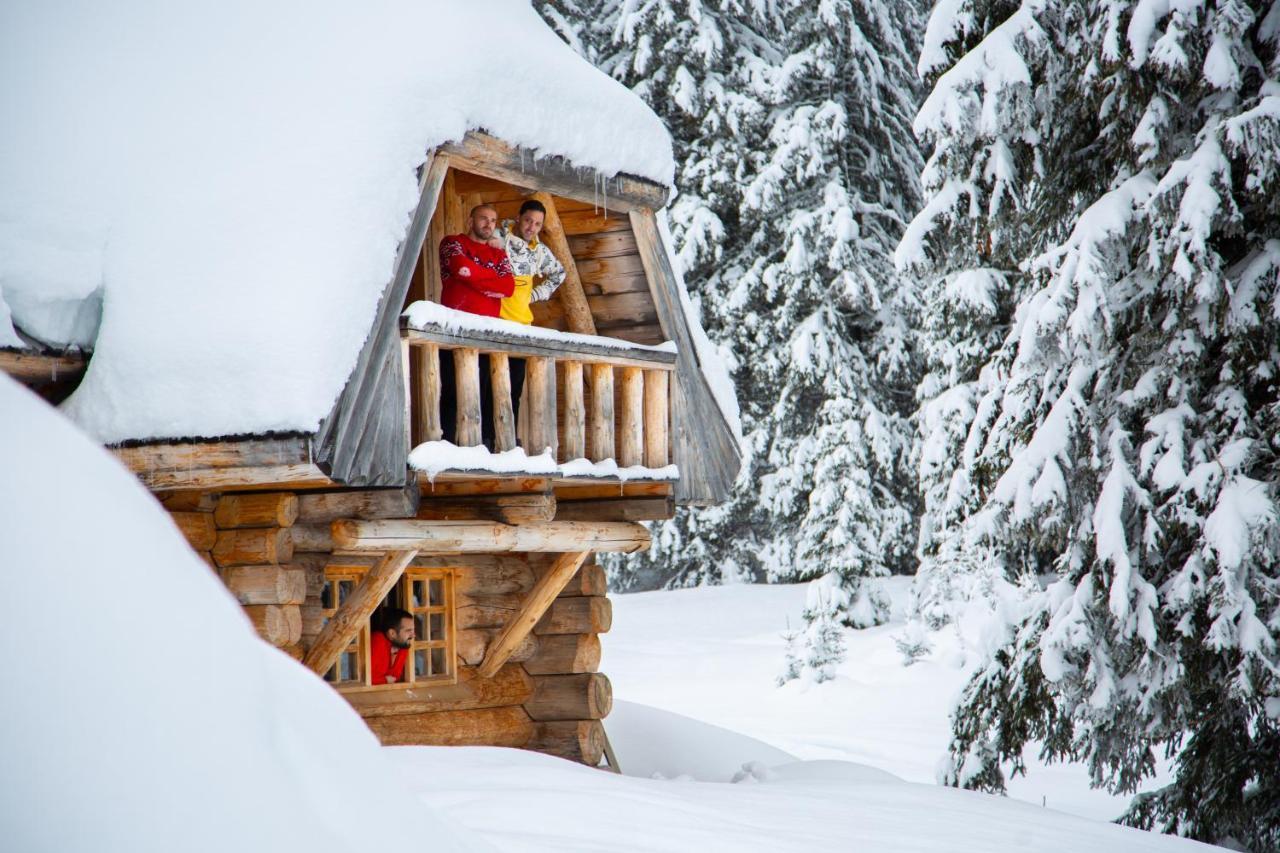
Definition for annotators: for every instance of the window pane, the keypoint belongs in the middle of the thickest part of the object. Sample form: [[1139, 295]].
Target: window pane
[[437, 662], [332, 674], [345, 589], [348, 666], [420, 663], [437, 627], [419, 593], [420, 627], [437, 593], [326, 596]]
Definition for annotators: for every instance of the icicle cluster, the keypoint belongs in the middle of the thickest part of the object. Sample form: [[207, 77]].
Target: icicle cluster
[[1100, 250]]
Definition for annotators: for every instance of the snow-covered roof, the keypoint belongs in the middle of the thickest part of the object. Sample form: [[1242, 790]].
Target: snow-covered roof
[[230, 181]]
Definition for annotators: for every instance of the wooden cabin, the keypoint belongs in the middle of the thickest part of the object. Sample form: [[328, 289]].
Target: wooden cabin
[[312, 532]]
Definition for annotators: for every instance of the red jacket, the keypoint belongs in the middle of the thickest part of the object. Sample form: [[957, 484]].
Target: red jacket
[[490, 279], [382, 661]]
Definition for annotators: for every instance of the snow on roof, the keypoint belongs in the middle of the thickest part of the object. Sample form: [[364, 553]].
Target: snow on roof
[[165, 723], [232, 179]]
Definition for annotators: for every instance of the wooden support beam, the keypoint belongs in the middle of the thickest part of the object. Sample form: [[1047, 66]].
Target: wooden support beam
[[576, 311], [261, 509], [582, 696], [535, 604], [631, 418], [600, 435], [508, 509], [355, 612], [504, 419], [657, 417], [460, 537], [466, 371], [575, 415]]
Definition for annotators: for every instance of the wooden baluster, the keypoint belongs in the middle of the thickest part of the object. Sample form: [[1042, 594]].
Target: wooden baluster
[[538, 397], [632, 417], [466, 369], [504, 421], [575, 415], [656, 413], [601, 435], [426, 393]]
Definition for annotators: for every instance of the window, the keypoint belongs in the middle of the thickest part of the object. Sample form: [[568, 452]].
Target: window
[[427, 594]]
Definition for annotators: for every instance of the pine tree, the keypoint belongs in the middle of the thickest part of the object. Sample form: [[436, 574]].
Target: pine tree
[[1102, 228], [797, 173]]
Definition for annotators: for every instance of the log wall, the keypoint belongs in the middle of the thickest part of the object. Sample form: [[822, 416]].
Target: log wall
[[271, 551]]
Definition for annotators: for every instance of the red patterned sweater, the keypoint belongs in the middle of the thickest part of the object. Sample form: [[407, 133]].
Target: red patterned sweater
[[481, 292]]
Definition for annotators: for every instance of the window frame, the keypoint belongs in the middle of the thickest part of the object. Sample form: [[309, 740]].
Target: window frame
[[403, 592]]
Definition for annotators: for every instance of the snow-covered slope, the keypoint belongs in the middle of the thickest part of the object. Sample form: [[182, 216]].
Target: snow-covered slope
[[231, 181], [141, 712]]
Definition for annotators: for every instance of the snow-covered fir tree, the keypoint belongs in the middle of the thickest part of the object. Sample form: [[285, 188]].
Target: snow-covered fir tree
[[798, 172], [1101, 408]]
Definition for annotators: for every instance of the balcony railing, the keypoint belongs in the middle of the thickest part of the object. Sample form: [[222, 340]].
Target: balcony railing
[[584, 396]]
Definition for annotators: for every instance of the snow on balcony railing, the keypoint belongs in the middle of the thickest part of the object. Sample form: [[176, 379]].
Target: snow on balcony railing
[[574, 420]]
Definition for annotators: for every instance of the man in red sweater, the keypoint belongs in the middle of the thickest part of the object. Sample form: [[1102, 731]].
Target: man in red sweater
[[389, 647], [475, 274]]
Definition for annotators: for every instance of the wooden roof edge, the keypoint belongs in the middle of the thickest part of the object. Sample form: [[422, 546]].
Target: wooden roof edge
[[483, 154], [242, 462], [40, 368]]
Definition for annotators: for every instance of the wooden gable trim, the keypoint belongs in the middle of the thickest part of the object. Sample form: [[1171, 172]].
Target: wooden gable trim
[[482, 154], [364, 440], [706, 450]]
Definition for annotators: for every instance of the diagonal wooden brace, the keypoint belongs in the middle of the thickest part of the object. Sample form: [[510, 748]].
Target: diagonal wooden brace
[[340, 630], [536, 604]]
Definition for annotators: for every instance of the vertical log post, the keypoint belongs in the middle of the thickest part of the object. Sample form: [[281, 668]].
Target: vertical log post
[[538, 396], [656, 415], [426, 393], [601, 415], [632, 417], [575, 415], [466, 367], [504, 420]]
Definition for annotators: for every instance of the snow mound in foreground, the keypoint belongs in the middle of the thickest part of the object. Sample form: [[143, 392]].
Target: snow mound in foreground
[[142, 712]]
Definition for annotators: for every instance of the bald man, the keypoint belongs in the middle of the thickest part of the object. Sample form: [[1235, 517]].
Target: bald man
[[475, 272]]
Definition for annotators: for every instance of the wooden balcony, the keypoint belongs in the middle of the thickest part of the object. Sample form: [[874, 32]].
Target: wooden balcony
[[587, 399]]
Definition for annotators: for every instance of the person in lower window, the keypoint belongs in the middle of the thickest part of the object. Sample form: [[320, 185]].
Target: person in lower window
[[389, 646]]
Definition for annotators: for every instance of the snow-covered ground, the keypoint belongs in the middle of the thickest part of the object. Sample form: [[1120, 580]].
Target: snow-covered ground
[[180, 730], [713, 653]]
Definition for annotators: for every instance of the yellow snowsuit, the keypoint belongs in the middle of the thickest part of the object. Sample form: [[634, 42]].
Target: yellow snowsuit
[[528, 261]]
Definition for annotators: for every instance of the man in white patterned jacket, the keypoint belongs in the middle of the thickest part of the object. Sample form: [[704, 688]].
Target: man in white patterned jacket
[[530, 259]]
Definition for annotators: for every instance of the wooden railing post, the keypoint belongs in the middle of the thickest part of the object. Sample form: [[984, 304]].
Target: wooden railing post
[[600, 446], [504, 421], [466, 368], [656, 415], [426, 393], [575, 415], [632, 417], [538, 376]]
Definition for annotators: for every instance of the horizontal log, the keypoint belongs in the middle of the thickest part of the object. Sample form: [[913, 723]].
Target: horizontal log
[[312, 621], [582, 696], [511, 685], [508, 509], [299, 475], [476, 574], [34, 369], [278, 624], [189, 501], [470, 536], [212, 455], [506, 726], [588, 614], [518, 345], [558, 654], [197, 528], [446, 485], [617, 509], [259, 509], [312, 566], [266, 584], [589, 580], [253, 547], [473, 642], [609, 491], [608, 244], [312, 538], [576, 740], [324, 507], [485, 615]]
